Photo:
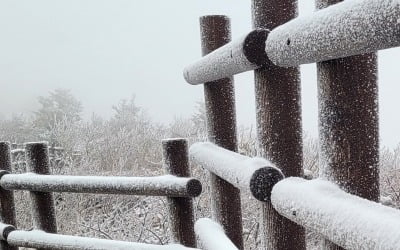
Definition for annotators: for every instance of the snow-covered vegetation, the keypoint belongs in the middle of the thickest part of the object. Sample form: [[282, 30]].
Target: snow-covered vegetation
[[129, 144]]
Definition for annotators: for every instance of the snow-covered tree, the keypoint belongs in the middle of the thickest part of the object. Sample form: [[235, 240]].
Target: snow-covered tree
[[60, 108], [59, 105]]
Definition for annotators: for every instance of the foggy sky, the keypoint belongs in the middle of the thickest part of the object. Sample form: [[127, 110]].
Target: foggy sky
[[105, 51]]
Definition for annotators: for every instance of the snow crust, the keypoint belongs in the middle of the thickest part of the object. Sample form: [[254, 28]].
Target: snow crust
[[235, 168], [212, 236], [159, 185], [40, 239], [344, 29], [347, 220]]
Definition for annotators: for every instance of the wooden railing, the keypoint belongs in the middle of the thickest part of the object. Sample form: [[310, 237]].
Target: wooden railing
[[342, 39], [178, 187]]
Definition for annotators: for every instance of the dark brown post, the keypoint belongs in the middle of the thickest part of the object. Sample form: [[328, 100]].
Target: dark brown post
[[176, 161], [279, 122], [7, 212], [348, 123], [221, 125], [43, 211]]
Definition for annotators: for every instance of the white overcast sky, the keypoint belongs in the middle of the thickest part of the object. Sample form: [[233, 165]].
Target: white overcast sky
[[107, 50]]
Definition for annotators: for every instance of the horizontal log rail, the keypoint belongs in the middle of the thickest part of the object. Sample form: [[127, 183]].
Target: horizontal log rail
[[167, 185], [344, 29], [211, 235], [347, 220], [5, 229], [247, 53], [256, 175], [43, 240], [177, 186]]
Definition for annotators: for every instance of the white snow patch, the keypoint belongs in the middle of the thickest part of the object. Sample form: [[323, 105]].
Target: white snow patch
[[17, 151], [167, 184], [348, 28], [223, 62], [235, 168], [212, 236], [347, 220], [40, 239]]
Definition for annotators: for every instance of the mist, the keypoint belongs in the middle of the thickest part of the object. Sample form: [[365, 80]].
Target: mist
[[105, 51]]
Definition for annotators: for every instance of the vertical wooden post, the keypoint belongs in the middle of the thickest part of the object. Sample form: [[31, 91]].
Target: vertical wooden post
[[221, 125], [176, 161], [348, 123], [279, 122], [7, 212], [43, 211]]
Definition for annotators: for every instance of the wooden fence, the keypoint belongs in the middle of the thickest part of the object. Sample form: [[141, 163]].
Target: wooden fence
[[178, 187], [342, 39]]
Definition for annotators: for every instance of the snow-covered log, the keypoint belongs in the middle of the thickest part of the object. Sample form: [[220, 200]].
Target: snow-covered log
[[5, 229], [40, 239], [244, 54], [211, 235], [344, 29], [167, 185], [347, 220], [255, 174]]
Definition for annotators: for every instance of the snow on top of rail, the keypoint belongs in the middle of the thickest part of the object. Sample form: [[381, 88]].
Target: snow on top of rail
[[17, 151], [218, 64], [244, 54], [156, 185], [212, 235], [111, 181], [46, 143], [345, 219], [347, 28], [40, 239], [234, 167], [257, 175]]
